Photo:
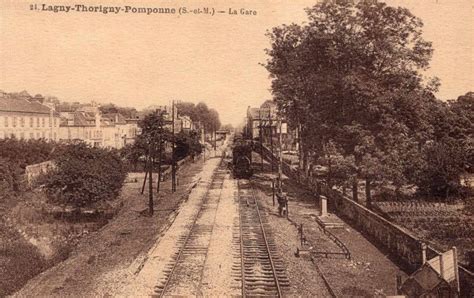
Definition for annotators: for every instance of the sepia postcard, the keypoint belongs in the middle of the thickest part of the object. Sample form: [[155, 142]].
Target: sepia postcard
[[205, 148]]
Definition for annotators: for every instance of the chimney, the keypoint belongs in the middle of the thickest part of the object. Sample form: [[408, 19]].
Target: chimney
[[423, 252]]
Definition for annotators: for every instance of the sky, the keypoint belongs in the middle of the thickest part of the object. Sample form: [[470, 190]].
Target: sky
[[140, 60]]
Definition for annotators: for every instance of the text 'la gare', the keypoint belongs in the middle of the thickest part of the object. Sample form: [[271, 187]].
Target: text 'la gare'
[[242, 11]]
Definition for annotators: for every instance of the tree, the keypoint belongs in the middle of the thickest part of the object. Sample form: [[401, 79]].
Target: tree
[[132, 153], [150, 142], [463, 108], [187, 144], [9, 176], [209, 118], [85, 175], [446, 162], [188, 109], [352, 76], [448, 154]]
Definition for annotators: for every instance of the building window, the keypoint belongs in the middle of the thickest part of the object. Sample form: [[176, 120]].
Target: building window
[[22, 122], [31, 121], [14, 121], [42, 122], [55, 136], [55, 121], [37, 122], [42, 135], [6, 121], [38, 135], [32, 135], [49, 122], [22, 135]]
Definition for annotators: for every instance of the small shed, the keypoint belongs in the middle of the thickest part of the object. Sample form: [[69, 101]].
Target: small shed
[[437, 277], [427, 282]]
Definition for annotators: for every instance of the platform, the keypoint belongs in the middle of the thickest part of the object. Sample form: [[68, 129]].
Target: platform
[[330, 221]]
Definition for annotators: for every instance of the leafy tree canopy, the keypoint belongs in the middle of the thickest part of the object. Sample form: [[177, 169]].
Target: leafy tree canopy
[[85, 175], [351, 79]]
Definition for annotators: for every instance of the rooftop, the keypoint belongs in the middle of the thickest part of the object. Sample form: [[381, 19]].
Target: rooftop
[[23, 104], [115, 118], [253, 113]]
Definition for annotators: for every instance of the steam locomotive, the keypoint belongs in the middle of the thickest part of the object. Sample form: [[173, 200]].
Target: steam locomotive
[[242, 159]]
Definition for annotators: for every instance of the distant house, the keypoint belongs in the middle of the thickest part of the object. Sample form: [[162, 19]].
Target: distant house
[[253, 122], [186, 123], [83, 124], [132, 130], [264, 123], [114, 126], [25, 117], [168, 116], [88, 124]]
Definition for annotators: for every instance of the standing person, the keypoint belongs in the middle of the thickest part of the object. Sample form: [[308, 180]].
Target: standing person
[[282, 202]]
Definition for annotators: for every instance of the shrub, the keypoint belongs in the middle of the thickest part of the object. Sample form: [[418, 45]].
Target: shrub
[[85, 175], [15, 155], [10, 176]]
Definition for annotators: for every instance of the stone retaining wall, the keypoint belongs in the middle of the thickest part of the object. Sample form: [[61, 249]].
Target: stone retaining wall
[[399, 242]]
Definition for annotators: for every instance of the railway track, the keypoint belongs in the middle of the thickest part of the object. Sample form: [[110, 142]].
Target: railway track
[[261, 271], [183, 275]]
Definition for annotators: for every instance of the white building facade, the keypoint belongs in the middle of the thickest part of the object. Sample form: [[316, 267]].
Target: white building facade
[[24, 117]]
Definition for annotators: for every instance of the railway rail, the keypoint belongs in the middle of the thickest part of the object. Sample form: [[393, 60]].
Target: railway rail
[[184, 273], [262, 272]]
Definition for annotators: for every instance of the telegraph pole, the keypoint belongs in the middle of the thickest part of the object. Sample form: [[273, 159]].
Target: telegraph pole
[[146, 174], [173, 162], [203, 141], [160, 149], [280, 164], [261, 136], [150, 180], [271, 137], [215, 139]]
